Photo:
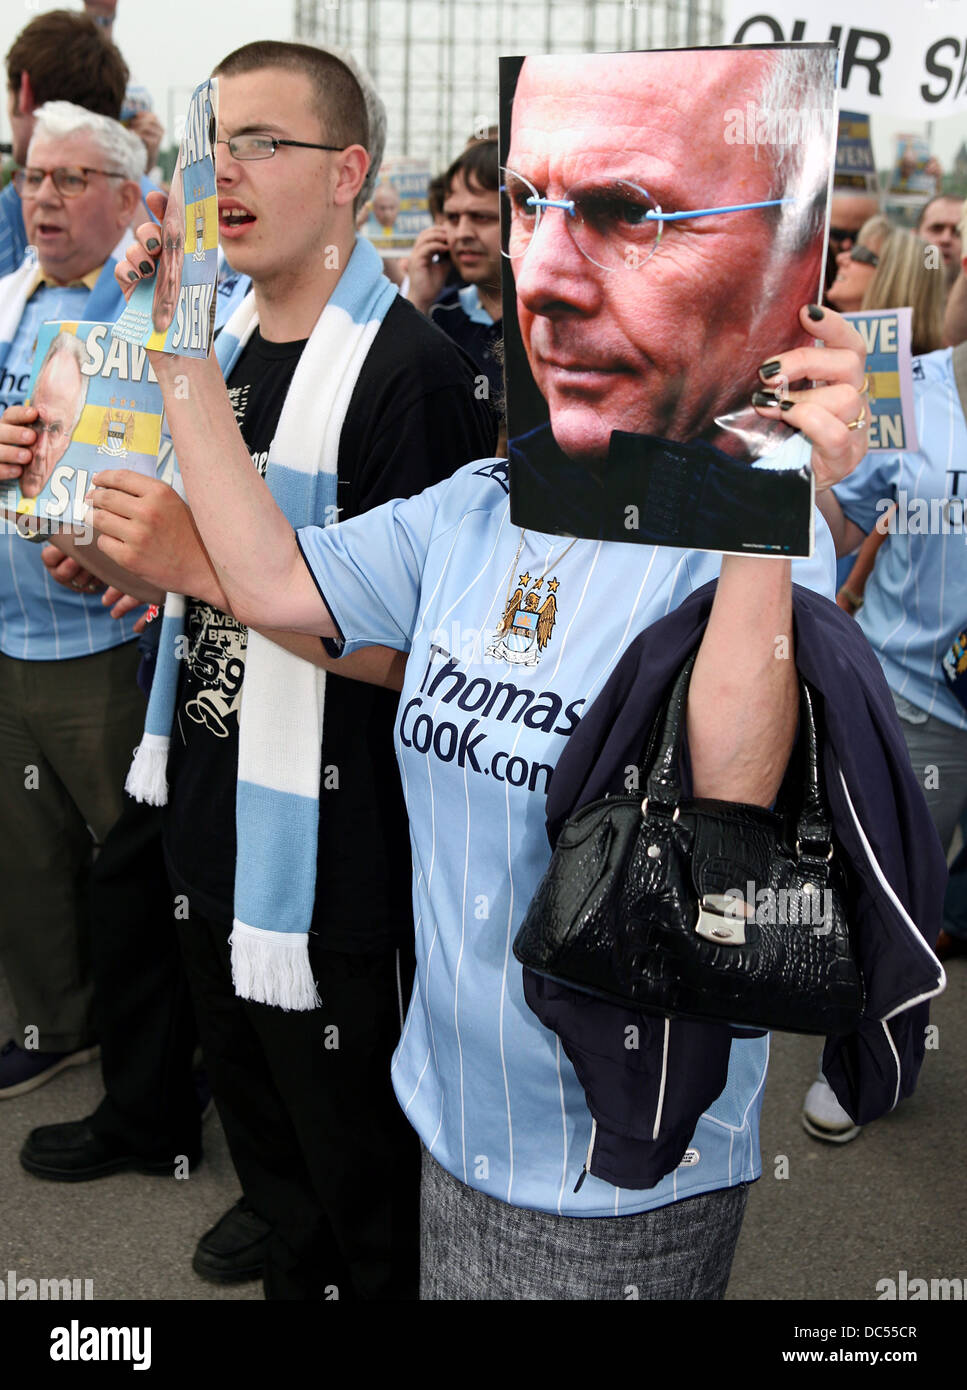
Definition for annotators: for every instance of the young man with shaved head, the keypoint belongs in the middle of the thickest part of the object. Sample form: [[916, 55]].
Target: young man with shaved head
[[322, 1150]]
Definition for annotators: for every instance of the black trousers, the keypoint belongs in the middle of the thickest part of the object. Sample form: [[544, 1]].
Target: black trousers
[[320, 1145], [142, 1006]]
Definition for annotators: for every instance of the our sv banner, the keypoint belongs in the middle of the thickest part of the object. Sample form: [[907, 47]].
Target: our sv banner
[[908, 57]]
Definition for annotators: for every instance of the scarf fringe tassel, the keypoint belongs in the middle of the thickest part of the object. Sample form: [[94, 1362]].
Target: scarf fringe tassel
[[147, 779], [273, 967]]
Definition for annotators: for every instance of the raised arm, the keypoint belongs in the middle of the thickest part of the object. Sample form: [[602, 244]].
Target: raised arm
[[251, 545], [743, 697]]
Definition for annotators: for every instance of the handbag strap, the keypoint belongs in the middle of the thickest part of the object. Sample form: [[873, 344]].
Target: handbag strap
[[814, 824], [662, 781], [663, 784]]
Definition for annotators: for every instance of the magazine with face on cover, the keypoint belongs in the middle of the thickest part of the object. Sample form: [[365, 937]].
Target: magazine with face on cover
[[664, 220], [399, 209], [174, 309], [99, 406]]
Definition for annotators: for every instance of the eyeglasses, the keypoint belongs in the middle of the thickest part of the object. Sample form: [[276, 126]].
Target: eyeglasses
[[70, 183], [615, 224], [265, 146], [864, 255], [52, 428]]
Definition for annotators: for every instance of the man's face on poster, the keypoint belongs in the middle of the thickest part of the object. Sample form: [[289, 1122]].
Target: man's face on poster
[[57, 398], [171, 259], [667, 347], [386, 206]]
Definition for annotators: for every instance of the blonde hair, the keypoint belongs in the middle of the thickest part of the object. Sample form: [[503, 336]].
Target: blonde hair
[[876, 228], [903, 278]]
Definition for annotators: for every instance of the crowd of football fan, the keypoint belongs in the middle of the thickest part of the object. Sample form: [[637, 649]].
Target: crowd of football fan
[[98, 959]]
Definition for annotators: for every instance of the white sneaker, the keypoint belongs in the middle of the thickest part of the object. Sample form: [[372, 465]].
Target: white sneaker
[[824, 1118]]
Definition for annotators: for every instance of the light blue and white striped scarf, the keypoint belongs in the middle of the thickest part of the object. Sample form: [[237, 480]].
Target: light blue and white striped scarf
[[281, 714]]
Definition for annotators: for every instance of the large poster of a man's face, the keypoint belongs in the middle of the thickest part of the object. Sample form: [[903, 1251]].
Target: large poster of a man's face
[[663, 224]]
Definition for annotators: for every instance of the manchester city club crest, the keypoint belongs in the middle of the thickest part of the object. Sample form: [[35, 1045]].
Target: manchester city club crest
[[525, 629], [117, 429]]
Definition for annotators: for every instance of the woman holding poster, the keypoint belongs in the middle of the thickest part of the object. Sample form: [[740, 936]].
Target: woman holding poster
[[512, 1164]]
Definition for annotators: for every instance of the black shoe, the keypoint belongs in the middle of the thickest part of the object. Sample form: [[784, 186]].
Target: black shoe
[[233, 1251], [72, 1152], [23, 1070]]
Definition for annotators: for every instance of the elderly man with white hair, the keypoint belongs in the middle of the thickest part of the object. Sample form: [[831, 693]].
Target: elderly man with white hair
[[70, 708]]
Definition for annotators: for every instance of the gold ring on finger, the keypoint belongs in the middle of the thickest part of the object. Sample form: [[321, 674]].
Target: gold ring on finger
[[859, 423], [867, 388]]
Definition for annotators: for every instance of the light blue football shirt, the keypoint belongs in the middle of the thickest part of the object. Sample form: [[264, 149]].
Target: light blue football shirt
[[915, 601], [483, 719]]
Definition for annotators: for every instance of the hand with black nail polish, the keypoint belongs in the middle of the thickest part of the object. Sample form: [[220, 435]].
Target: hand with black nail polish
[[827, 404], [141, 257]]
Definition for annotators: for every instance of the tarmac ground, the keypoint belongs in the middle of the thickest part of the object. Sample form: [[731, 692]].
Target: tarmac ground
[[824, 1222]]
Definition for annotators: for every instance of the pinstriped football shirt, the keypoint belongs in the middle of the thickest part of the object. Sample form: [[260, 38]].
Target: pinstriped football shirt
[[484, 716], [916, 598]]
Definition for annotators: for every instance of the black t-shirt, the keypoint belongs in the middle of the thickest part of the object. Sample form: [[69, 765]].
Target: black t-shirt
[[413, 419]]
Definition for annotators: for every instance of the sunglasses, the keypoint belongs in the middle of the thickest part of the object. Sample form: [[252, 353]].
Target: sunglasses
[[864, 255]]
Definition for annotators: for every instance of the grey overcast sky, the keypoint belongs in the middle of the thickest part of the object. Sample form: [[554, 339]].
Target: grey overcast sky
[[170, 47]]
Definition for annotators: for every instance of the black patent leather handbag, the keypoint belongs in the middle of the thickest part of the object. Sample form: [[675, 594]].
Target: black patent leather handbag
[[702, 909]]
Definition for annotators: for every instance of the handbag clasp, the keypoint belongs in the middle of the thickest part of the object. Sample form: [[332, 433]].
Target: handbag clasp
[[722, 918]]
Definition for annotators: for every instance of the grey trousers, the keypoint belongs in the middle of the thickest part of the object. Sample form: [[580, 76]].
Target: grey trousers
[[67, 732], [473, 1247], [938, 752]]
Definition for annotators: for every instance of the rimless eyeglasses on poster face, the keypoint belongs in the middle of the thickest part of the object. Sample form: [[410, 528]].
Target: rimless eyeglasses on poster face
[[615, 224]]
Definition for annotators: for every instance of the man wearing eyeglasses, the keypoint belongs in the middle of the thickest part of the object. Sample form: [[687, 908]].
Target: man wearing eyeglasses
[[323, 1152], [59, 56], [69, 704], [651, 259]]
